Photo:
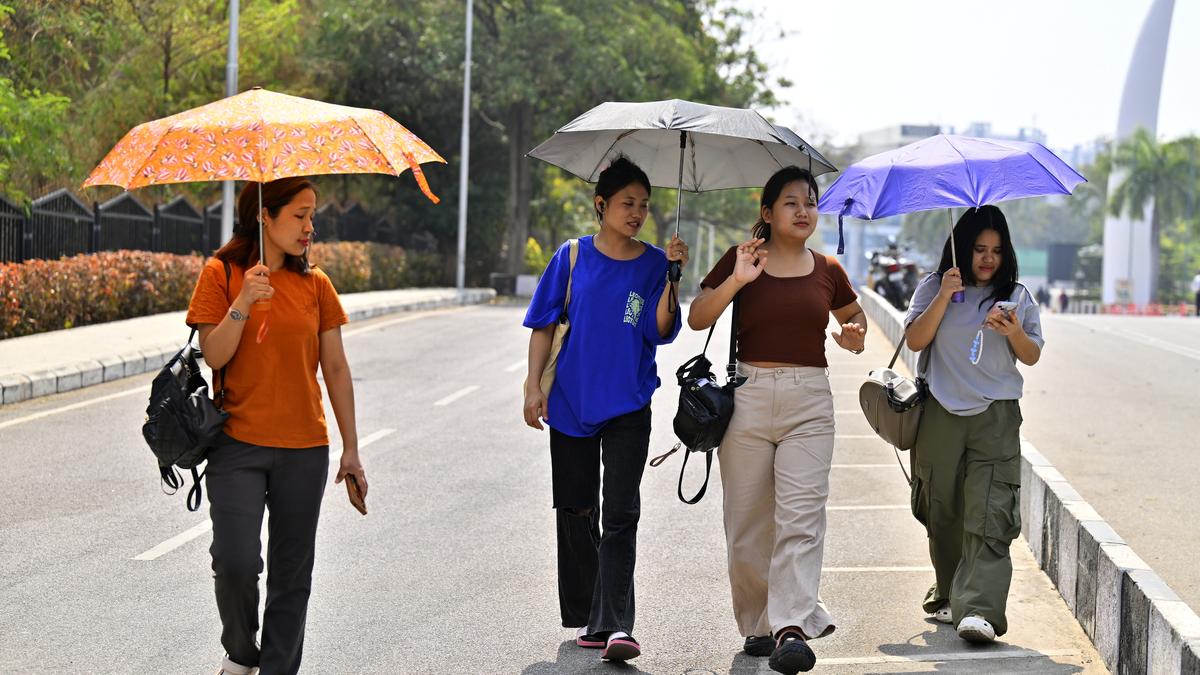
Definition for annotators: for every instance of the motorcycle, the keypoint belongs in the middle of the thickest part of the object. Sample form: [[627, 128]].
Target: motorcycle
[[893, 276]]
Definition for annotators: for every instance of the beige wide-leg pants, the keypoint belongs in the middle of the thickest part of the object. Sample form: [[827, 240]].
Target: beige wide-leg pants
[[775, 460]]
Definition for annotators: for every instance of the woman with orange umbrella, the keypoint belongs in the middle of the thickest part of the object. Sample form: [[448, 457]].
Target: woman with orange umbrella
[[274, 451]]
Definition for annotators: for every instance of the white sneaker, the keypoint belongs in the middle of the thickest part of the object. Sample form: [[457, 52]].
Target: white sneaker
[[976, 629], [943, 615], [231, 667]]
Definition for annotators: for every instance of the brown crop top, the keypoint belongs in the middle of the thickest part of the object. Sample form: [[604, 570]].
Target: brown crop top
[[783, 319]]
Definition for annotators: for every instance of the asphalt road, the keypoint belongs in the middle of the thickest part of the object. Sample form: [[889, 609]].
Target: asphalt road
[[1115, 404], [453, 571]]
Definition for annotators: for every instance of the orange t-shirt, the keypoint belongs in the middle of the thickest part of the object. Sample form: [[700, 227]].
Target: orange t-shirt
[[271, 390]]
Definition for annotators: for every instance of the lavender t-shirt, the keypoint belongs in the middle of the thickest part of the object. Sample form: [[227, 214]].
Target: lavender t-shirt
[[961, 386]]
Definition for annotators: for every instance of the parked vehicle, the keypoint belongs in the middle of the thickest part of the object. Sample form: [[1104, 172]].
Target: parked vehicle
[[893, 275]]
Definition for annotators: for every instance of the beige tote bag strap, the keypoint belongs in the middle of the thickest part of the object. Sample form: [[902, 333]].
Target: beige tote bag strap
[[574, 244]]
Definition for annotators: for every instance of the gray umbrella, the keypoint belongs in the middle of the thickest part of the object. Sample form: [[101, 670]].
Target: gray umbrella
[[680, 144]]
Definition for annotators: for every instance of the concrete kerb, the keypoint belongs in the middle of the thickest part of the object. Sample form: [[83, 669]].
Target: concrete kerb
[[1138, 624], [23, 387]]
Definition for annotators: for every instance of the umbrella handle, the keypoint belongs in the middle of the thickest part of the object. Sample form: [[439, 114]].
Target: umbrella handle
[[958, 296]]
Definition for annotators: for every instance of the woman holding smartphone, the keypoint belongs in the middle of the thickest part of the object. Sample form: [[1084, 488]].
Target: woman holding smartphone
[[966, 487]]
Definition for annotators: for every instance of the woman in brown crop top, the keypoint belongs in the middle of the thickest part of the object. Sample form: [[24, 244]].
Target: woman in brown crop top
[[776, 454]]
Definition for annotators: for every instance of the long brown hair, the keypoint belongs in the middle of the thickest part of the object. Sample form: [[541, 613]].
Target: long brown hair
[[242, 249]]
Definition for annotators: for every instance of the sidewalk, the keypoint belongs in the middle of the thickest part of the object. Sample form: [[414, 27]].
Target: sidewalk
[[59, 361], [877, 567]]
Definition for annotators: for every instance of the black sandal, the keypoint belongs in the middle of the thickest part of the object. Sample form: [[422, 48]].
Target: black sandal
[[759, 645], [792, 655]]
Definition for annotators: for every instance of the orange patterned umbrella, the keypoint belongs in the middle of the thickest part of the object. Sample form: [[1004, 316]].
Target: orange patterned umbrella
[[261, 136]]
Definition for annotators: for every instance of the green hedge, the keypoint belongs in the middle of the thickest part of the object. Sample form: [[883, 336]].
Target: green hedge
[[44, 295]]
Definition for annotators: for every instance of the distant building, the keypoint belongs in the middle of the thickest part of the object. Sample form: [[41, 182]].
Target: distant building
[[890, 138], [984, 130]]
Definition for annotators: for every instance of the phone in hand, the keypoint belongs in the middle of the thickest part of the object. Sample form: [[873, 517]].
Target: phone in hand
[[1007, 306], [355, 494]]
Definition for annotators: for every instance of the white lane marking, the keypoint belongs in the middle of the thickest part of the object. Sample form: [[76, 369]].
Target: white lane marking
[[176, 541], [864, 466], [72, 406], [964, 656], [144, 389], [516, 366], [378, 435], [1151, 341], [1133, 336], [404, 319], [916, 568], [457, 395], [197, 530], [873, 507]]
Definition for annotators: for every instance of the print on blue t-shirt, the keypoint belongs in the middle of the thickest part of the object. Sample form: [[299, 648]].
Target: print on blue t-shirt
[[606, 367]]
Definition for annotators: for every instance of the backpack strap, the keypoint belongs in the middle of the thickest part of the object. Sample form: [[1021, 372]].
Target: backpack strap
[[220, 373], [196, 494]]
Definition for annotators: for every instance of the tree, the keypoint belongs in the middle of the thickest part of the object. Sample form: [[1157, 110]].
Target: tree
[[27, 118], [1156, 176]]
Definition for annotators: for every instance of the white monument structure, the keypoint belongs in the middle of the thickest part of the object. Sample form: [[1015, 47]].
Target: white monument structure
[[1130, 266]]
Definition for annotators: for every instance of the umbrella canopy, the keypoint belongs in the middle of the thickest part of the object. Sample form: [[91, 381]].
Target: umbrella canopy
[[262, 136], [725, 147], [946, 171]]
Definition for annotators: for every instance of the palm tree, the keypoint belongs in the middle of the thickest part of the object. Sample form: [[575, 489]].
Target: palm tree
[[1157, 175]]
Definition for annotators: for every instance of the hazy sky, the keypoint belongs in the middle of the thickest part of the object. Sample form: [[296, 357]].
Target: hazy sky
[[860, 65]]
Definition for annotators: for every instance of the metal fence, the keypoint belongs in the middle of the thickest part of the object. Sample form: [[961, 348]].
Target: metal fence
[[60, 224]]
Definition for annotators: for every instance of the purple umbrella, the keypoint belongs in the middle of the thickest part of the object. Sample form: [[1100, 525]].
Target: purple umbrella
[[944, 171]]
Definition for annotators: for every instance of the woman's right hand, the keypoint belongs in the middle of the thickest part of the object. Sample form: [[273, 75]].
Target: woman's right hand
[[535, 406], [951, 283], [750, 261], [256, 285]]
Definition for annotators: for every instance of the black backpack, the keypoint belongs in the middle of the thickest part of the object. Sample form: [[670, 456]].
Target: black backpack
[[705, 407], [181, 420]]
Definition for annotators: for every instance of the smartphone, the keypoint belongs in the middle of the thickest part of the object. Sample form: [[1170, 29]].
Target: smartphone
[[355, 494], [1006, 306]]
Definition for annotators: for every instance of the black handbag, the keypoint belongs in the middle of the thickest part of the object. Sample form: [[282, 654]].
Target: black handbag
[[181, 419], [705, 407]]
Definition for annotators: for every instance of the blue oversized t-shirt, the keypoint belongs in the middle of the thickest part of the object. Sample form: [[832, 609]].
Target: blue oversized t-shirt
[[606, 367]]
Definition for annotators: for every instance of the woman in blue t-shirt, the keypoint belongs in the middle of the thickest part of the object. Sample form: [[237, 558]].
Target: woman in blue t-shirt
[[967, 473], [599, 404]]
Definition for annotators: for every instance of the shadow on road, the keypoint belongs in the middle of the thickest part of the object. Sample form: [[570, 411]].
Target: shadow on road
[[573, 659], [943, 639]]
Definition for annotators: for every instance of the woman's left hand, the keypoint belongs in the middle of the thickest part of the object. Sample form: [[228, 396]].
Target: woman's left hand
[[352, 465], [677, 250], [1002, 322], [852, 338]]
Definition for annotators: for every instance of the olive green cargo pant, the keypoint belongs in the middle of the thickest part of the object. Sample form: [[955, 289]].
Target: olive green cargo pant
[[966, 492]]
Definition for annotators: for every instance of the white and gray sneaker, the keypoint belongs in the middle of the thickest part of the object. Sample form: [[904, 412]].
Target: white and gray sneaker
[[231, 667], [976, 629], [943, 615]]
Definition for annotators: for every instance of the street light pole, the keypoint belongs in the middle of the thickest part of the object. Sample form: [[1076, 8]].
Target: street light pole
[[231, 85], [464, 159]]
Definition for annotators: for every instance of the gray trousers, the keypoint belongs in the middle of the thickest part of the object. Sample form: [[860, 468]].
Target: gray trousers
[[242, 480]]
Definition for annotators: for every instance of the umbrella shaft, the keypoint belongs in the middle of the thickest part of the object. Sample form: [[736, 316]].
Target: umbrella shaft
[[261, 243], [679, 195]]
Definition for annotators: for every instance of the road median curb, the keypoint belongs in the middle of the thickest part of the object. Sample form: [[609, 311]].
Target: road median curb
[[17, 387]]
